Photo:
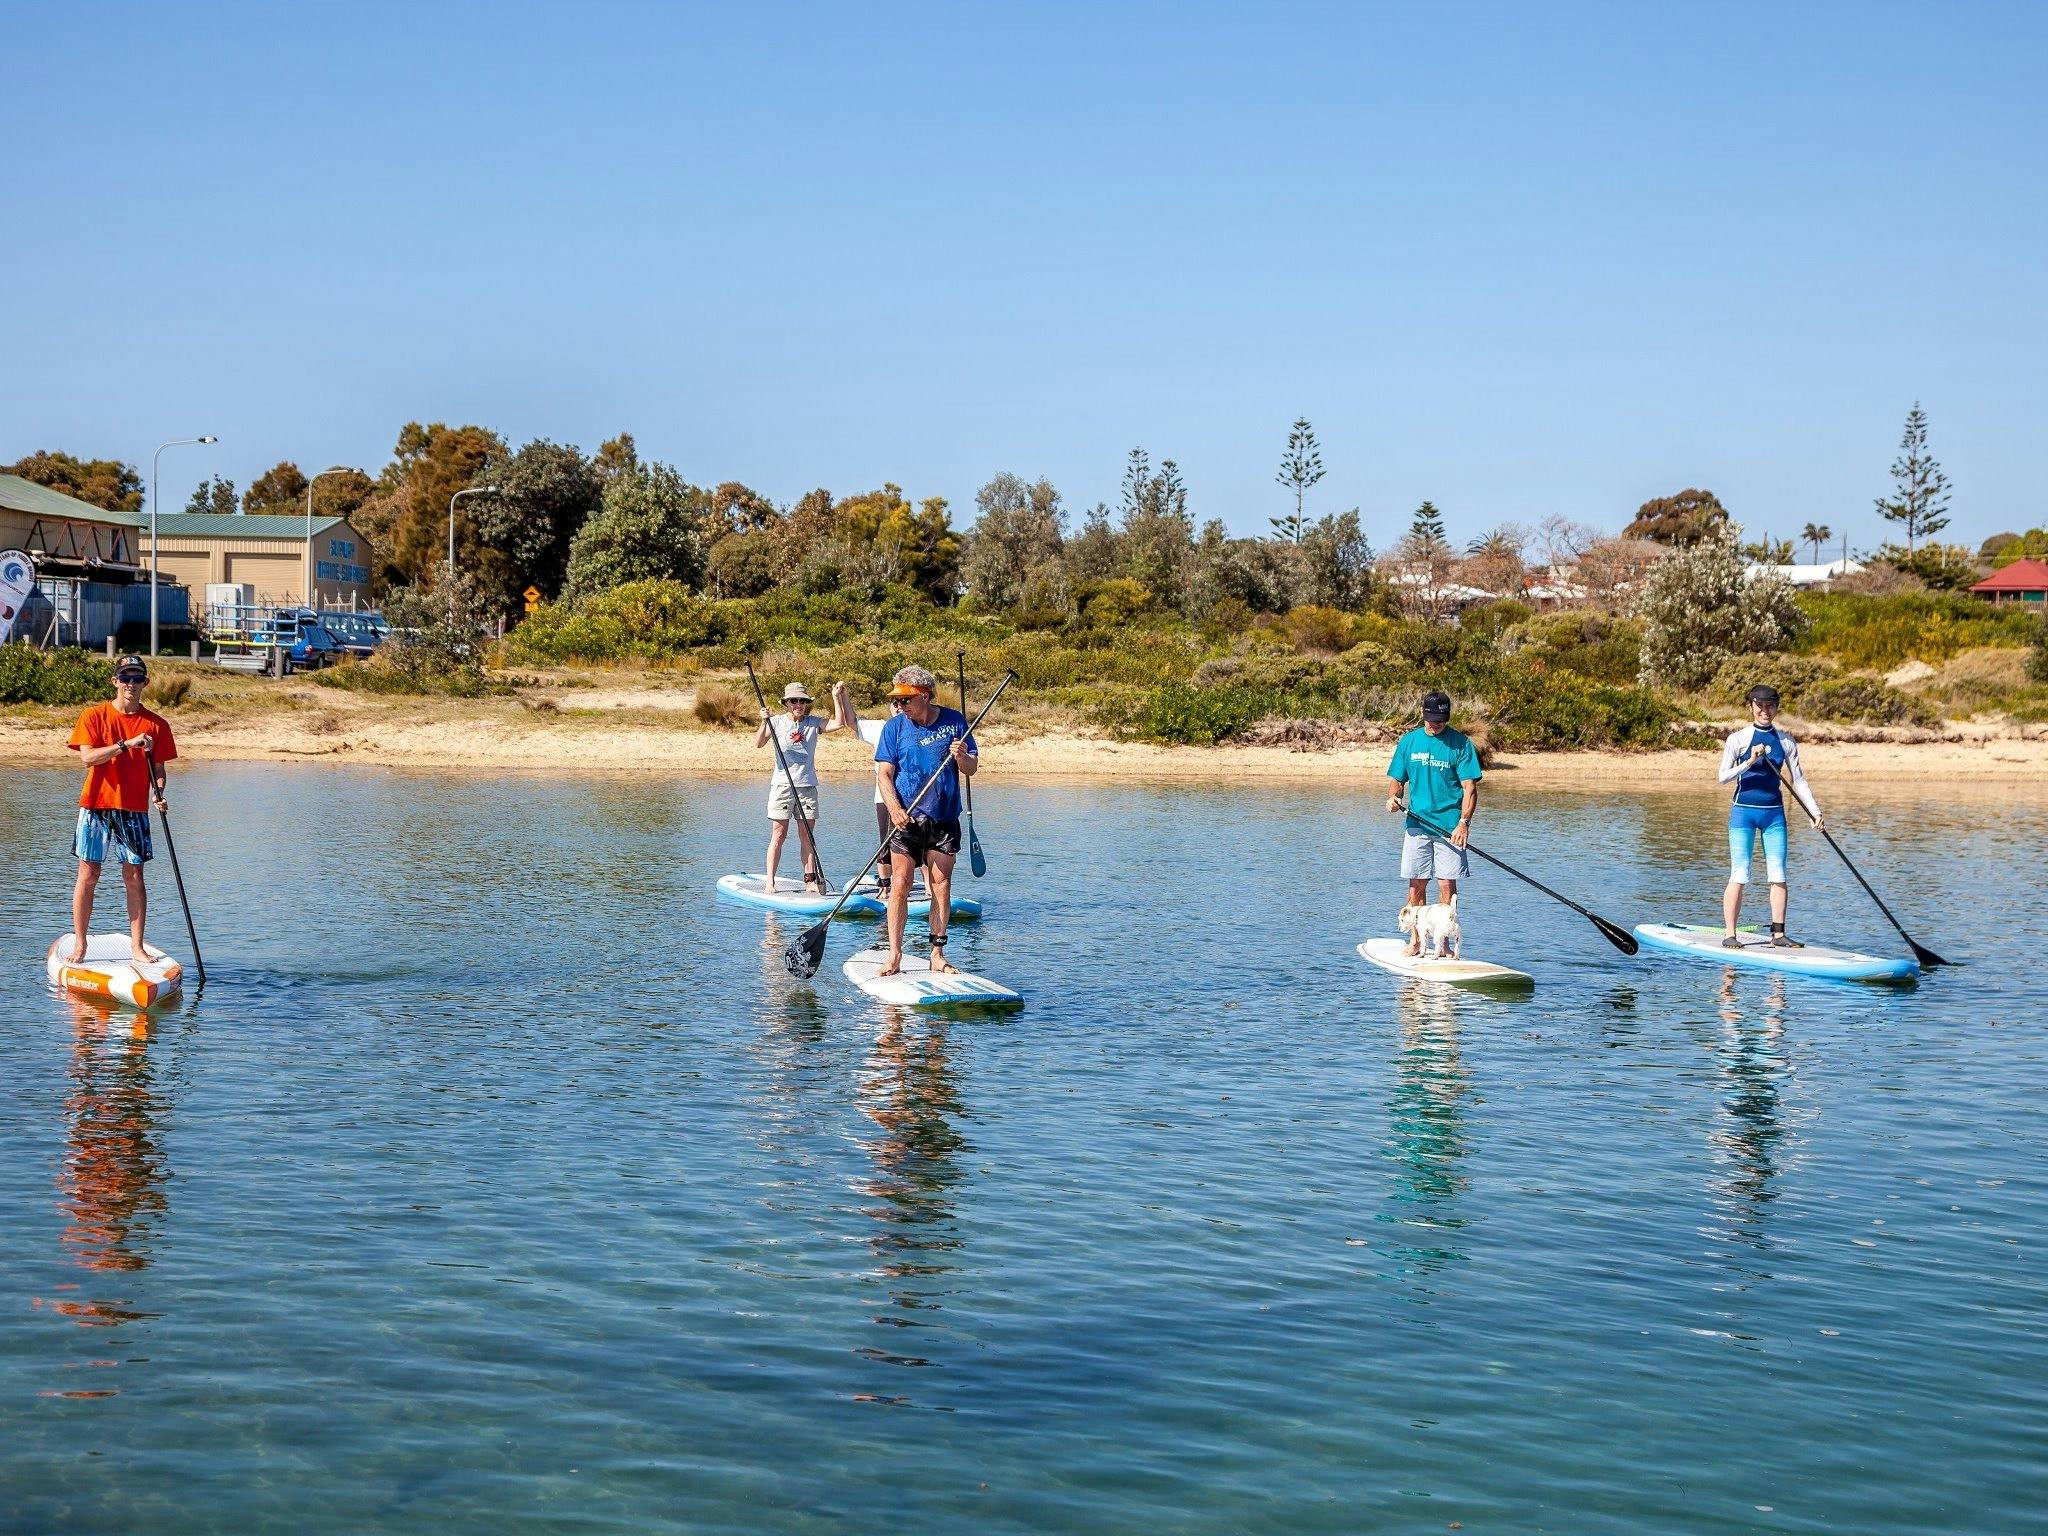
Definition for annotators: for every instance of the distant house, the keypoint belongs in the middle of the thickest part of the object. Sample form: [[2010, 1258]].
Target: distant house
[[1805, 578], [92, 582], [267, 552], [2024, 581]]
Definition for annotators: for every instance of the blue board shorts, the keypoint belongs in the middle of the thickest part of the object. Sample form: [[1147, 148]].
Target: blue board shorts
[[1745, 824], [1424, 857], [126, 832]]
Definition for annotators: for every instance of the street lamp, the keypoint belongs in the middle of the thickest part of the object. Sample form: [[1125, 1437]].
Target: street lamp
[[474, 490], [154, 464], [339, 469]]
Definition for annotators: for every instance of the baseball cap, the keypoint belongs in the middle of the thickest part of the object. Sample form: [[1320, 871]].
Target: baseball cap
[[794, 692], [1764, 693], [1436, 706], [130, 667]]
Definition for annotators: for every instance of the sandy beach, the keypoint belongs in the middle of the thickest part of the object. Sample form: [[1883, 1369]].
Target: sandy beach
[[645, 726]]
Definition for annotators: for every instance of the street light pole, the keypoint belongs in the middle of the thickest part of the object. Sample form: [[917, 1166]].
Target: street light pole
[[155, 464], [339, 469], [474, 490]]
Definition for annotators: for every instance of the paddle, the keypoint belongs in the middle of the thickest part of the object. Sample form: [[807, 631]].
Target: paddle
[[796, 805], [975, 860], [171, 847], [1927, 957], [807, 950], [1618, 936]]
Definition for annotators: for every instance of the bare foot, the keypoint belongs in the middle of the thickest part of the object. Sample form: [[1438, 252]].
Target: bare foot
[[147, 954], [894, 967], [941, 966], [77, 952]]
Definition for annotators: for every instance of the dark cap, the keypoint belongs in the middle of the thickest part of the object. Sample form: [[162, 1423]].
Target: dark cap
[[1764, 693], [1436, 706], [130, 666]]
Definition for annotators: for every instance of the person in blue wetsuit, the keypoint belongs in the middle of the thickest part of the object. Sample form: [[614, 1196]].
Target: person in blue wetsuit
[[1752, 761]]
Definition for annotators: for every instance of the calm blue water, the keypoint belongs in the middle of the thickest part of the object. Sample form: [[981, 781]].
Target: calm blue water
[[501, 1181]]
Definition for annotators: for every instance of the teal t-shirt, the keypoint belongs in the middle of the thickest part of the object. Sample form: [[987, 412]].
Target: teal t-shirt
[[1435, 769]]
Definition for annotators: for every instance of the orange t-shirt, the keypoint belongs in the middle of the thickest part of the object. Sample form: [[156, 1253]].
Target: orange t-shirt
[[121, 784]]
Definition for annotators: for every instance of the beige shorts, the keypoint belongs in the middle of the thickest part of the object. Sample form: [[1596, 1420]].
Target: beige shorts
[[779, 802]]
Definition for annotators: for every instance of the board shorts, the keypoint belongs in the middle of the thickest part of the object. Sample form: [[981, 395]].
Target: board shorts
[[1424, 857], [126, 832], [1745, 824], [781, 803], [924, 836]]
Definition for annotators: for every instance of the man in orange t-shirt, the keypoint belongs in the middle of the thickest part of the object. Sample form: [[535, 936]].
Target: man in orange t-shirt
[[124, 748]]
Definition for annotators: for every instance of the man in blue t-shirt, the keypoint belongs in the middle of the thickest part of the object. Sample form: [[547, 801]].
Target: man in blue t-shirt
[[1439, 768], [919, 759]]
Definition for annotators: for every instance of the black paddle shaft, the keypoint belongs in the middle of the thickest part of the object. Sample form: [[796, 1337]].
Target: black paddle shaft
[[1921, 952], [796, 800], [977, 861], [801, 958], [178, 875], [1616, 935]]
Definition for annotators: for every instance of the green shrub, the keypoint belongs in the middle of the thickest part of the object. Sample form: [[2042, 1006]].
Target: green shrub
[[1605, 647], [385, 674], [1881, 632], [1792, 676], [2037, 653], [68, 676], [1865, 701], [1183, 716], [1561, 710]]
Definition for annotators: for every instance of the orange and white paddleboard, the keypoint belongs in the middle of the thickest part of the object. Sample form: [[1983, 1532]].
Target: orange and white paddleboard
[[109, 970]]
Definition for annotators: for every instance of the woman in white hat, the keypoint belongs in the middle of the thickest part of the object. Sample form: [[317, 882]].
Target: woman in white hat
[[798, 730]]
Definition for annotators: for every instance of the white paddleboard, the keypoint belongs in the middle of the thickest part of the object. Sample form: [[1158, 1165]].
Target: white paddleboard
[[1392, 955], [109, 972], [917, 985], [789, 895], [17, 580], [1703, 942]]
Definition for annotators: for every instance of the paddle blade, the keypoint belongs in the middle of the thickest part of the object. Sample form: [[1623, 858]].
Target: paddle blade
[[975, 860], [1620, 938], [806, 952], [1928, 958]]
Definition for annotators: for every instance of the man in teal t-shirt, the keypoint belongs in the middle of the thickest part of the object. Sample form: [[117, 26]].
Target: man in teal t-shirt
[[1439, 768]]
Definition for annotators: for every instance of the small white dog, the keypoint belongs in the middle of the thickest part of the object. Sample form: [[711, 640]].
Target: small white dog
[[1434, 928]]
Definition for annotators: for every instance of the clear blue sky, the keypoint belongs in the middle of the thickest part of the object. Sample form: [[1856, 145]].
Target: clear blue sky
[[1518, 259]]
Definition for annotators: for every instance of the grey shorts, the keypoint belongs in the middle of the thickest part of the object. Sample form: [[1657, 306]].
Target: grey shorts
[[781, 803], [1424, 857]]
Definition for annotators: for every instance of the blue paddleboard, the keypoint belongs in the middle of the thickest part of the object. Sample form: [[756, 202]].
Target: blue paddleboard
[[1703, 942]]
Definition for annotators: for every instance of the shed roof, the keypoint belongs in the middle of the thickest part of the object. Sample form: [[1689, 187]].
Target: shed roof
[[2021, 576], [239, 525], [19, 495]]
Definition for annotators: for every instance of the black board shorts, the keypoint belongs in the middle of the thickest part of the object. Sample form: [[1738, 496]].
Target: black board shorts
[[924, 836]]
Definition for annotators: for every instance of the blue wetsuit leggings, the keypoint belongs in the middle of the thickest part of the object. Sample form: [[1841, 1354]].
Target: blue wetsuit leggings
[[1744, 823]]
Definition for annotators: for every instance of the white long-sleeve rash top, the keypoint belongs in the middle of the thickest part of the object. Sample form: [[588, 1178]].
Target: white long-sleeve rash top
[[1735, 763]]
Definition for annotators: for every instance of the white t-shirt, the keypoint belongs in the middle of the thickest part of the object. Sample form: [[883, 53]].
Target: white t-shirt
[[871, 733], [799, 747]]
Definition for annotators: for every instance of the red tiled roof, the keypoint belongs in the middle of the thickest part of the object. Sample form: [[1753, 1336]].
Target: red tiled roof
[[2020, 576]]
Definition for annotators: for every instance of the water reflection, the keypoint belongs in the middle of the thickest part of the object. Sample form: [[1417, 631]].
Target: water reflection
[[1751, 1053], [1426, 1135], [111, 1183], [907, 1091]]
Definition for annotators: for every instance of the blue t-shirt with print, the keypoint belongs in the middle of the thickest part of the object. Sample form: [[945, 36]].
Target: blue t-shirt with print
[[919, 751], [1435, 769]]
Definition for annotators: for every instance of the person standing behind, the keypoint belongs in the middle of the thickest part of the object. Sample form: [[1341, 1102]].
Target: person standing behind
[[870, 731], [1439, 767], [124, 748], [926, 741], [797, 730], [1752, 759]]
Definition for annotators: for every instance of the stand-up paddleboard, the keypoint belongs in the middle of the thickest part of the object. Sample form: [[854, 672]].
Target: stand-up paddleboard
[[788, 896], [918, 986], [109, 971], [17, 580], [1703, 942], [1392, 955], [868, 901]]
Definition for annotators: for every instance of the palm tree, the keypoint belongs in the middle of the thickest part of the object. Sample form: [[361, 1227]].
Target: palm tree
[[1816, 534]]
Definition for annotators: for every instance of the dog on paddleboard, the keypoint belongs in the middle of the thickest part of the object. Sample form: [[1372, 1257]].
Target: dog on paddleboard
[[1435, 927]]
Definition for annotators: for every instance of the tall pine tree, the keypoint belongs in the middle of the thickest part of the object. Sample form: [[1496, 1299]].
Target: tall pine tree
[[1920, 490], [1301, 466], [1428, 526]]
